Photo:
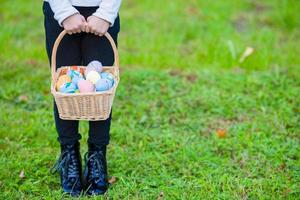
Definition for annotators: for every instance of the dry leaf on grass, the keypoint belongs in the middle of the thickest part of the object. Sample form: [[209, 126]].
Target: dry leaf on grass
[[112, 180], [22, 174], [160, 196], [175, 72], [221, 133], [192, 10], [191, 77], [248, 51], [32, 62]]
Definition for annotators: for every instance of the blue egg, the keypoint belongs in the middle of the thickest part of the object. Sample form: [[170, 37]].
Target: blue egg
[[76, 79], [68, 88], [102, 85], [73, 73], [109, 77], [110, 82]]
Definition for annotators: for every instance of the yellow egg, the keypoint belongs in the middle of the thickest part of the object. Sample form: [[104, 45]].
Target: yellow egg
[[62, 80], [58, 85], [66, 78]]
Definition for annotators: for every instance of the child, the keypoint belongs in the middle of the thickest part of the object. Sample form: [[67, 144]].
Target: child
[[85, 21]]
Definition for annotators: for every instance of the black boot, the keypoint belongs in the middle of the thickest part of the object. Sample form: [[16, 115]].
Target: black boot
[[69, 168], [95, 172]]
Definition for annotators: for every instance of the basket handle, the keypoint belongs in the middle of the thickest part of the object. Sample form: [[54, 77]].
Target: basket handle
[[60, 37]]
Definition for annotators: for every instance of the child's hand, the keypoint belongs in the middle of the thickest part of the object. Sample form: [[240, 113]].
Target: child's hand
[[74, 24], [96, 25]]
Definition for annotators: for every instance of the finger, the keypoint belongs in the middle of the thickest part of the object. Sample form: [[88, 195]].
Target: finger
[[74, 31], [102, 32], [84, 27], [97, 32], [87, 30], [93, 31], [88, 19], [82, 18], [69, 31], [79, 29]]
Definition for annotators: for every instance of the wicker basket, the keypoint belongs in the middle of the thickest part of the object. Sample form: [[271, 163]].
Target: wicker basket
[[84, 106]]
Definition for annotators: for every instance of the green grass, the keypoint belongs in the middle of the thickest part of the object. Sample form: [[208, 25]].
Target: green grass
[[181, 81]]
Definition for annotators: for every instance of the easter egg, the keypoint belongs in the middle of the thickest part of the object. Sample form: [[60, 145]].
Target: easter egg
[[93, 76], [93, 66], [73, 73], [65, 78], [62, 80], [96, 65], [85, 86], [111, 82], [68, 88], [59, 84], [76, 79], [102, 85], [109, 77]]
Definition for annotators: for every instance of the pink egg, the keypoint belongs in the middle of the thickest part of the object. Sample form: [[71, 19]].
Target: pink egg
[[85, 86]]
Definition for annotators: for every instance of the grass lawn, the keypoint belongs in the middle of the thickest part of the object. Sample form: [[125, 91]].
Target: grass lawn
[[182, 87]]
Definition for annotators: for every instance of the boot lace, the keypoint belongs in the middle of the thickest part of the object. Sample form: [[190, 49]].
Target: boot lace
[[95, 163], [67, 165]]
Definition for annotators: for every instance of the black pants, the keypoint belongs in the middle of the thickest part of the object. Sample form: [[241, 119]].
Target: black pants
[[79, 49]]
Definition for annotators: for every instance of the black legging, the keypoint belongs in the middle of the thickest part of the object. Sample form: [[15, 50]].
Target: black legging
[[79, 49]]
